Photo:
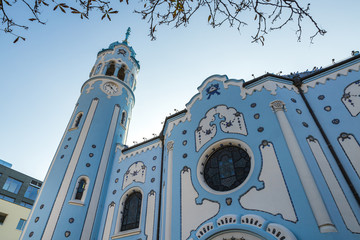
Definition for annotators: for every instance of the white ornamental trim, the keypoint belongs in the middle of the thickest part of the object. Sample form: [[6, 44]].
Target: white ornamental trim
[[137, 151], [331, 76]]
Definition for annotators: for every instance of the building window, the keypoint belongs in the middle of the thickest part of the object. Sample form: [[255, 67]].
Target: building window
[[25, 204], [2, 218], [111, 69], [227, 168], [123, 118], [9, 199], [98, 68], [31, 192], [131, 212], [12, 185], [121, 73], [77, 120], [21, 224], [80, 191]]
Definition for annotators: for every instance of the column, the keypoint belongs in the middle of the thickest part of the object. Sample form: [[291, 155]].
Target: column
[[168, 207], [312, 192]]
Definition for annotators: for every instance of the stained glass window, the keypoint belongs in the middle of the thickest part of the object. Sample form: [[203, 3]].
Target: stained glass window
[[131, 212], [227, 168]]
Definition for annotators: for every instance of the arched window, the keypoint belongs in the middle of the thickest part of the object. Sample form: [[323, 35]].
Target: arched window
[[111, 69], [123, 118], [98, 68], [77, 120], [121, 73], [131, 212], [80, 189]]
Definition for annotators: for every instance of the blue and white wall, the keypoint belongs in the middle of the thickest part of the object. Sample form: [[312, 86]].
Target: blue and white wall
[[86, 151], [300, 132]]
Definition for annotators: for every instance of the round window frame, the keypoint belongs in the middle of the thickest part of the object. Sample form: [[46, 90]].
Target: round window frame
[[213, 148]]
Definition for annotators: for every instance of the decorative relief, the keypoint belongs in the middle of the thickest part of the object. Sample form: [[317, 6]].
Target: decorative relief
[[227, 219], [274, 198], [150, 215], [351, 98], [192, 213], [331, 76], [253, 220], [213, 89], [135, 173], [135, 151], [204, 229], [232, 122], [332, 182], [277, 106], [223, 232], [175, 122], [352, 149], [280, 232], [269, 85]]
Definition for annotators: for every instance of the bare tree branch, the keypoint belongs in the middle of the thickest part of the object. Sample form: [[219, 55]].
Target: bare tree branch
[[269, 15]]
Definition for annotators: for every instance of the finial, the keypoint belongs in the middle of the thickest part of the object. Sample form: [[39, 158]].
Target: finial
[[127, 34]]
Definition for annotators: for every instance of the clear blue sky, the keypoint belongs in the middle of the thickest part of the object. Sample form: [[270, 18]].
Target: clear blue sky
[[41, 77]]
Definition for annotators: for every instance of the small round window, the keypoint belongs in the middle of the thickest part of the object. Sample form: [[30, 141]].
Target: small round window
[[227, 168]]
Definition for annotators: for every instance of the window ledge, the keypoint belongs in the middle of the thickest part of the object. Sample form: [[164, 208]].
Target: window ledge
[[74, 128], [76, 202], [126, 233]]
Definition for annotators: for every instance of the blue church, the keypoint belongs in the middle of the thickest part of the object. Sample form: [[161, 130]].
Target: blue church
[[275, 158]]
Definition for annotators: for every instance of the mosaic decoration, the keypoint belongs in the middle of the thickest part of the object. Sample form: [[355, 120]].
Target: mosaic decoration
[[321, 97], [232, 121], [327, 108], [135, 173], [351, 98], [213, 89], [122, 52]]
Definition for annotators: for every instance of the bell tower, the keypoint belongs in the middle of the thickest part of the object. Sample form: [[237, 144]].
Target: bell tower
[[71, 195]]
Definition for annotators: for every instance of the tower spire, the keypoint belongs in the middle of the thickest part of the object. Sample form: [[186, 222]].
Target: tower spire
[[127, 35]]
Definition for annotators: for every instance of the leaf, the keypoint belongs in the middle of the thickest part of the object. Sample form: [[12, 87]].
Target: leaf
[[32, 19], [55, 7], [103, 16], [62, 9], [209, 18], [108, 16], [255, 17], [17, 39]]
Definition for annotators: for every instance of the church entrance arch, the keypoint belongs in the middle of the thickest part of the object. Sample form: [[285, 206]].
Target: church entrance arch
[[236, 235]]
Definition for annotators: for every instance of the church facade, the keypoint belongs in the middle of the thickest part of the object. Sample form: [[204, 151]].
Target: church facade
[[276, 157]]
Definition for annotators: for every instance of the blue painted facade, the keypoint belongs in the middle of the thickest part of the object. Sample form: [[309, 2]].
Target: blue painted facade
[[299, 131]]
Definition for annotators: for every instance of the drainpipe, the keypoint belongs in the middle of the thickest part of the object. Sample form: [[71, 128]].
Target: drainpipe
[[298, 83]]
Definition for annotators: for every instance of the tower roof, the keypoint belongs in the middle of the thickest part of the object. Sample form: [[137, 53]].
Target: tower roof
[[124, 42]]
